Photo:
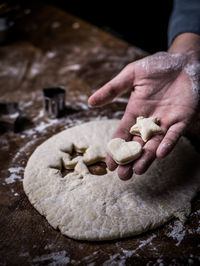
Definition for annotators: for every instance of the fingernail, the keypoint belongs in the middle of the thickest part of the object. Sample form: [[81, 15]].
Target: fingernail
[[139, 171]]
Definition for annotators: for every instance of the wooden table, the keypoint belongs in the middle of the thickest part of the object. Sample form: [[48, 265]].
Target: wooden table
[[54, 48]]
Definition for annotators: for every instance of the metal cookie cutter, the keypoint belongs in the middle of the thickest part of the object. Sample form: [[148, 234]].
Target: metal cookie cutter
[[54, 101]]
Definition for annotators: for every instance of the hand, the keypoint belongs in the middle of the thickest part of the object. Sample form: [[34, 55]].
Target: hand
[[164, 85]]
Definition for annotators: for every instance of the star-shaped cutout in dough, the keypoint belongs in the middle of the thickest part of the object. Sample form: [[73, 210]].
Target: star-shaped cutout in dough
[[146, 128]]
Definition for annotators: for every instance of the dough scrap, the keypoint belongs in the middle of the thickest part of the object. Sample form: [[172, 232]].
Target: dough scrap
[[146, 127], [124, 152], [85, 206]]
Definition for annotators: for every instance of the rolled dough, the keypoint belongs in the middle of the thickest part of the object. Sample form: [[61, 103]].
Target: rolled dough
[[92, 207]]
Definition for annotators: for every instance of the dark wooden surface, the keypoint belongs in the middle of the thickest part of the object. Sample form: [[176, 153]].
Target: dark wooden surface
[[55, 49]]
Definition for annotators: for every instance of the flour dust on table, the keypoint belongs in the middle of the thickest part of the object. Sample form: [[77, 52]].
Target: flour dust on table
[[87, 206]]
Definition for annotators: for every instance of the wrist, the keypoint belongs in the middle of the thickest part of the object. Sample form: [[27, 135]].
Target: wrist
[[185, 43]]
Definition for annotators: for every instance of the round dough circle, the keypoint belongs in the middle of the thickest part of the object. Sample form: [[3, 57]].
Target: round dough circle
[[92, 207]]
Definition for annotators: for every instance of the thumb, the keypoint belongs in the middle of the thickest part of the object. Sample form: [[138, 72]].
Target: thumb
[[122, 82]]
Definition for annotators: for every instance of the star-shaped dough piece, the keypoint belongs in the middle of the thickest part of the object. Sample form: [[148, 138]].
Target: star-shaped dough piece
[[146, 127]]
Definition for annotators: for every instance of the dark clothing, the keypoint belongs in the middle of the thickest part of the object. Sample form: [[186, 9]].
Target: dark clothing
[[184, 18]]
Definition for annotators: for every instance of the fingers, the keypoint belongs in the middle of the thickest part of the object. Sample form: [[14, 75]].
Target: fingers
[[125, 172], [140, 166], [148, 156], [122, 82], [111, 164], [170, 139], [159, 146]]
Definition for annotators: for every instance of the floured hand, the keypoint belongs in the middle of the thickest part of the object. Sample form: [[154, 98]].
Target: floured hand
[[164, 85]]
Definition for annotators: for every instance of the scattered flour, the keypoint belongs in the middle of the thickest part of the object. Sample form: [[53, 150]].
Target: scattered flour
[[118, 114], [115, 260], [49, 246], [65, 69], [28, 132], [160, 262], [82, 105], [91, 264], [24, 149], [88, 258], [12, 71], [27, 104], [24, 254], [35, 69], [83, 97], [55, 24], [42, 126], [120, 258], [50, 54], [75, 25], [15, 194], [190, 261], [40, 115], [14, 115], [14, 175], [121, 100], [145, 242], [198, 228], [195, 213], [59, 258], [178, 232], [12, 178]]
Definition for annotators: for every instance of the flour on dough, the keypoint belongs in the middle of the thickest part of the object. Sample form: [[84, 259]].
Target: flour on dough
[[92, 207], [146, 127], [124, 152]]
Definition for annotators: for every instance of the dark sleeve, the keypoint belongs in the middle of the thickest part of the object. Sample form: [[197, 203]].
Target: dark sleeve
[[185, 17]]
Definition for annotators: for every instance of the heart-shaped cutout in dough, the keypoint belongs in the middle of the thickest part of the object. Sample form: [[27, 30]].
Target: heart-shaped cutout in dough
[[124, 152]]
